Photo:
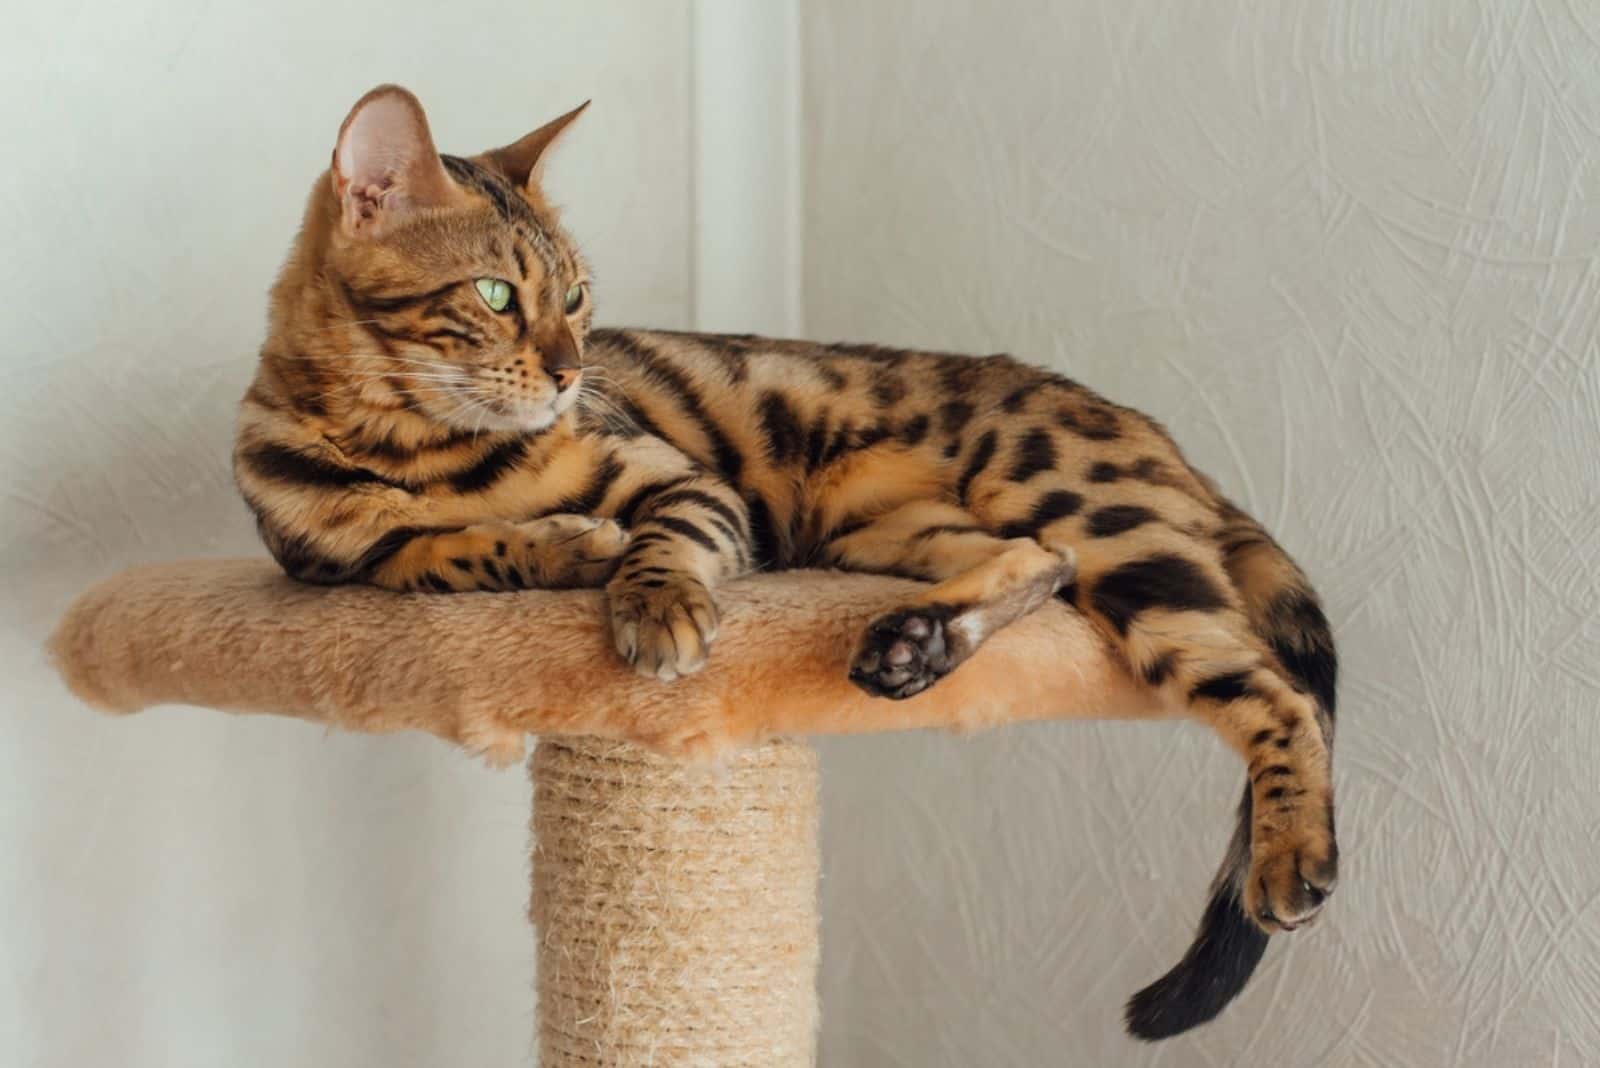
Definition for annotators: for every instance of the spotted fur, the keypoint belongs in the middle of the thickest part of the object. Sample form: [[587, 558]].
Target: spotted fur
[[401, 432]]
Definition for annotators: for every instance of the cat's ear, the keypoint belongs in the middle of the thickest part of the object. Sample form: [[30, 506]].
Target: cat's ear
[[523, 161], [384, 164]]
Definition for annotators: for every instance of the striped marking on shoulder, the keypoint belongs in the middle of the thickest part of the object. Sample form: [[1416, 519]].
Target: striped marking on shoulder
[[671, 380], [490, 468], [283, 463]]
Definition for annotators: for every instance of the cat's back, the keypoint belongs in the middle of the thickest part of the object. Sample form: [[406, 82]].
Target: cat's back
[[793, 390]]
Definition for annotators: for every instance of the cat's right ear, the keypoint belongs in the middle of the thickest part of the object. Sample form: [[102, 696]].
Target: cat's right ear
[[384, 164]]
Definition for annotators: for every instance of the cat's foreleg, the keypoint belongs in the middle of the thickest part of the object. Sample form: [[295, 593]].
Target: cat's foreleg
[[553, 552], [982, 583], [690, 530]]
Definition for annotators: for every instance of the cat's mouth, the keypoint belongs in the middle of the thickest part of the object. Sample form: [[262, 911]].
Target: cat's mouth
[[510, 413]]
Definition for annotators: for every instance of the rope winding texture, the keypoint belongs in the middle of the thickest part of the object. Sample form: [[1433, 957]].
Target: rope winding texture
[[675, 906]]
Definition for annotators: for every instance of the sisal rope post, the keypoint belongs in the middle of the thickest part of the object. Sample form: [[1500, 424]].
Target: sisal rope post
[[675, 906]]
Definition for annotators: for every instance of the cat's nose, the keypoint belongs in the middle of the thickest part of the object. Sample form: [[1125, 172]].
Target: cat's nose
[[565, 377]]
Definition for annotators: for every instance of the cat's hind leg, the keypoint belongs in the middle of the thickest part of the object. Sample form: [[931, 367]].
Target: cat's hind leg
[[982, 582], [1168, 601]]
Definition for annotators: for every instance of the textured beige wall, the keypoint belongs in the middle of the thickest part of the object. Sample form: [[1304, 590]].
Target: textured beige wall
[[1367, 238], [1348, 253], [178, 889]]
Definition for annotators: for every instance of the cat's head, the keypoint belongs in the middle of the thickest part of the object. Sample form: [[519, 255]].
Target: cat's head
[[450, 290]]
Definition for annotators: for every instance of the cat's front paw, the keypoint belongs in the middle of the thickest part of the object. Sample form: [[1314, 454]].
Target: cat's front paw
[[1293, 869], [904, 652], [572, 551], [663, 626]]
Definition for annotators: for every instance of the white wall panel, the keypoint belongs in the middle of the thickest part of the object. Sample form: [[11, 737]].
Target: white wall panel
[[180, 888], [1347, 252]]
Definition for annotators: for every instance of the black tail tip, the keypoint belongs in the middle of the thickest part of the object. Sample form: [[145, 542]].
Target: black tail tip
[[1224, 955]]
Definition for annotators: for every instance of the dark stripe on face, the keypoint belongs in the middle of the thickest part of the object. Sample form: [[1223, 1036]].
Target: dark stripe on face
[[283, 464], [402, 394], [785, 438], [370, 303], [1163, 581], [1051, 507], [980, 459], [1118, 518], [459, 318], [435, 336], [1036, 452], [490, 468]]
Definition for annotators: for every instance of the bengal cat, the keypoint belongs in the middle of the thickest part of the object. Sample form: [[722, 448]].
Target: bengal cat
[[434, 411]]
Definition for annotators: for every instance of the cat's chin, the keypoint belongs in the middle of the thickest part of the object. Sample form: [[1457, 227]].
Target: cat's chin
[[515, 419]]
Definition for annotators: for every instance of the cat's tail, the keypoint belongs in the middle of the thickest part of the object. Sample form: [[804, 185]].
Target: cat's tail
[[1221, 960], [1285, 613]]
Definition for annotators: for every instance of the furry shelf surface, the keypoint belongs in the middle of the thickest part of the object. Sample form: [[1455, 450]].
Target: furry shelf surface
[[484, 670]]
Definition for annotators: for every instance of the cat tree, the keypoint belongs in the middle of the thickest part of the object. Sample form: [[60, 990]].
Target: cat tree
[[674, 825]]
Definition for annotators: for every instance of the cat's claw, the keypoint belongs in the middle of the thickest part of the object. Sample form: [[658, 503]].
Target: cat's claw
[[665, 630]]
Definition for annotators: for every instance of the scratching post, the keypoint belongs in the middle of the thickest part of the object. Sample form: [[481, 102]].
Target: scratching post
[[675, 907], [675, 848]]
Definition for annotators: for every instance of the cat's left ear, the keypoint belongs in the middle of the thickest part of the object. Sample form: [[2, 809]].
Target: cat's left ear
[[523, 161]]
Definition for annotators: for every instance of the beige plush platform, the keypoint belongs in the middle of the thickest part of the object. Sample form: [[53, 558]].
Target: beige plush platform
[[484, 670]]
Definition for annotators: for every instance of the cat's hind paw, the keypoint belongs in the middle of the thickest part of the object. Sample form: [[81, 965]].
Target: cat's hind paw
[[903, 653]]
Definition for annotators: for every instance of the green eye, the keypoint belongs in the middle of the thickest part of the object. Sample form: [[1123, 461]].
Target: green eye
[[575, 298], [495, 293]]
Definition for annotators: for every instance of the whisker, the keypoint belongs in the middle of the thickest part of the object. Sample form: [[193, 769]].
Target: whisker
[[390, 356], [419, 376]]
